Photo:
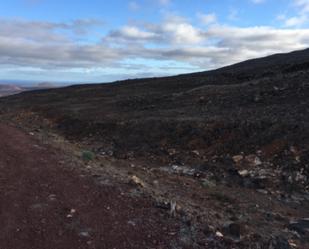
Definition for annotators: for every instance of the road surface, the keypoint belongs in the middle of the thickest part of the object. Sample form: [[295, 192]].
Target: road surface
[[46, 204]]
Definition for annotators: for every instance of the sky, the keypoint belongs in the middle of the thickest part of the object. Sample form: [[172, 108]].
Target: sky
[[100, 41]]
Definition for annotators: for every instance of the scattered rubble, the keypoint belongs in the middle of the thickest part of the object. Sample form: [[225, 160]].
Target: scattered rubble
[[137, 181], [301, 226]]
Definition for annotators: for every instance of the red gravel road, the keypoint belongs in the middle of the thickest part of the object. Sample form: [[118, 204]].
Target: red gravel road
[[44, 204]]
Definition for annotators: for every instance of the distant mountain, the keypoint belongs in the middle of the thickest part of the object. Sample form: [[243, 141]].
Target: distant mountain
[[11, 89], [45, 85], [8, 89]]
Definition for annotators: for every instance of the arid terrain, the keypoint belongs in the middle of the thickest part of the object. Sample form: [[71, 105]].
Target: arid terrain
[[216, 159], [8, 89]]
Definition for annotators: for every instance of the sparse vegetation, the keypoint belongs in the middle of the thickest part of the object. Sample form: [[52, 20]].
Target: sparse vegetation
[[208, 184], [88, 156]]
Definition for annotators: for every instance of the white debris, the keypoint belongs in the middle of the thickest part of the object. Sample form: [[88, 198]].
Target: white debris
[[137, 181], [219, 234], [243, 173]]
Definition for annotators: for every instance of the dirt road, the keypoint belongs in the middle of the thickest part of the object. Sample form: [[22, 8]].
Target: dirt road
[[46, 204]]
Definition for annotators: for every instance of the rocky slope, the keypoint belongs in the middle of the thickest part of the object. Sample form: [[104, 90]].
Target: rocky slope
[[239, 129]]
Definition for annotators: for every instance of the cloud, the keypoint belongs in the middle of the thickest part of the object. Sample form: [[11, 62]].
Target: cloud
[[37, 31], [48, 46], [178, 30], [173, 30], [207, 19], [302, 16], [303, 5], [296, 21], [130, 33]]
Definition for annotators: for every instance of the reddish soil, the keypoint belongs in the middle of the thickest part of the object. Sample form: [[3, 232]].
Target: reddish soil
[[45, 203]]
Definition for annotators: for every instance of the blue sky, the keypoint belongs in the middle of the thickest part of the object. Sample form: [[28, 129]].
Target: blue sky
[[100, 41]]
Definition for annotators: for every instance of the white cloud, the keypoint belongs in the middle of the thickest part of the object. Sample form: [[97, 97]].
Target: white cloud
[[296, 21], [41, 45], [131, 33], [180, 31], [173, 30], [207, 19], [303, 5], [301, 18]]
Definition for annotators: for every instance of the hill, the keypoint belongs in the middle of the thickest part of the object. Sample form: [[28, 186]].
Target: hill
[[259, 98], [6, 89], [231, 145], [11, 89]]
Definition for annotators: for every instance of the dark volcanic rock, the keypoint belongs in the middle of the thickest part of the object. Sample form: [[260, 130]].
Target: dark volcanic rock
[[300, 226], [234, 230], [279, 243], [230, 131]]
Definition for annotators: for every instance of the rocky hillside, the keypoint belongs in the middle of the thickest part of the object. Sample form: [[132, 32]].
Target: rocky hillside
[[243, 126], [255, 107]]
